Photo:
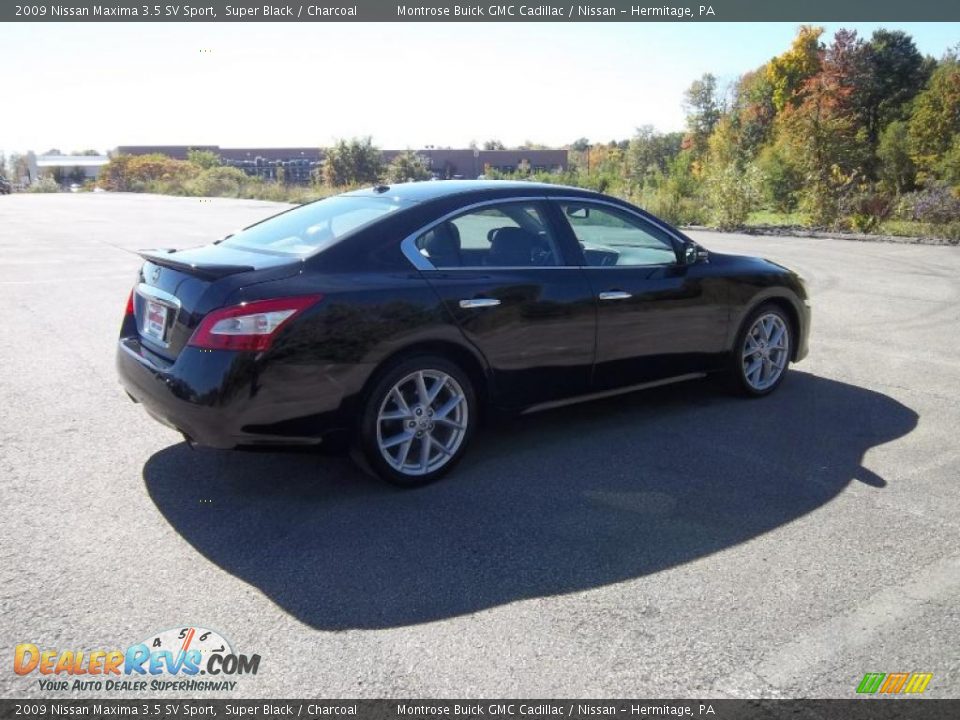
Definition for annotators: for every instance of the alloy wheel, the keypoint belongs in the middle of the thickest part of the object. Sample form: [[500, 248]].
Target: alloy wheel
[[422, 422], [765, 351]]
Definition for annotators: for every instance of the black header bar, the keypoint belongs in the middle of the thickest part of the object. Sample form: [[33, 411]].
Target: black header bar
[[464, 11]]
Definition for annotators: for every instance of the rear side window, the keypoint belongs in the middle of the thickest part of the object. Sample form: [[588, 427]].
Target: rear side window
[[309, 229], [509, 235]]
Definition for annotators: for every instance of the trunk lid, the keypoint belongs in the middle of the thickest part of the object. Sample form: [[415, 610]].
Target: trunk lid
[[176, 289]]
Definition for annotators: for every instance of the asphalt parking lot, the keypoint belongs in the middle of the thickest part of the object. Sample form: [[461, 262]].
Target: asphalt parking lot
[[674, 543]]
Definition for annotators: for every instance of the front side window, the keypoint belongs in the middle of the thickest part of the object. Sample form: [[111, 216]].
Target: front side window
[[609, 237], [314, 227], [506, 235]]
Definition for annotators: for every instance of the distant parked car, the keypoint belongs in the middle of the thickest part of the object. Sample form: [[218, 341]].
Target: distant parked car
[[5, 187], [399, 314], [74, 187]]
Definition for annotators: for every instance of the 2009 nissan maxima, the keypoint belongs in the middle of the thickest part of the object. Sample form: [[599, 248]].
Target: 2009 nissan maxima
[[396, 316]]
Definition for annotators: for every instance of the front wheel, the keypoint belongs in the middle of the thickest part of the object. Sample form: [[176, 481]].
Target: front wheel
[[417, 420], [762, 352]]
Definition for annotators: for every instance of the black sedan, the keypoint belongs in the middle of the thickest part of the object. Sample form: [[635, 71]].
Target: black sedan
[[396, 316]]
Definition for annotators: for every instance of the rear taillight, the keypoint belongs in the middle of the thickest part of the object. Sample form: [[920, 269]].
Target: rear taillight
[[251, 325], [129, 310]]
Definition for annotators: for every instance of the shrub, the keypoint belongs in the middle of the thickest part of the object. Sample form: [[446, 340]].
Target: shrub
[[203, 159], [865, 209], [782, 179], [935, 204], [44, 184], [132, 173], [217, 181], [356, 161], [408, 166], [667, 203], [733, 193]]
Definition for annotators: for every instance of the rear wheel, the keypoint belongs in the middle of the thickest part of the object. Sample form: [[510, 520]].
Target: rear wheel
[[417, 420], [762, 352]]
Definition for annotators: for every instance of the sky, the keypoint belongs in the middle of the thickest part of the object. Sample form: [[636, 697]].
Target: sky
[[74, 86]]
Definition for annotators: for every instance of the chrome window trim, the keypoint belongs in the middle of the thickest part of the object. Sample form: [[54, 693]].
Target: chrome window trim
[[408, 246]]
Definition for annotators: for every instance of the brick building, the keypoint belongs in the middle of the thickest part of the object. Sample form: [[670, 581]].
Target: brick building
[[299, 163]]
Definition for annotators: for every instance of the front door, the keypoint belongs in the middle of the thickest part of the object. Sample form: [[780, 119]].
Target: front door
[[656, 317], [500, 273]]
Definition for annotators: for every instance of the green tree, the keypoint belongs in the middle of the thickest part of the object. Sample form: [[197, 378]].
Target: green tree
[[897, 71], [703, 112], [897, 171], [203, 159], [649, 153], [352, 162], [936, 116], [580, 144], [783, 179], [493, 145], [408, 166], [19, 167], [948, 168]]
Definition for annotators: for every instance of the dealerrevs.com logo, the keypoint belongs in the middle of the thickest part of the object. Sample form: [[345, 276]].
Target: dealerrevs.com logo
[[894, 683], [173, 660]]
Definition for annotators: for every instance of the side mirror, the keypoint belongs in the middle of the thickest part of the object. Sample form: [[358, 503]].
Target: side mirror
[[693, 254]]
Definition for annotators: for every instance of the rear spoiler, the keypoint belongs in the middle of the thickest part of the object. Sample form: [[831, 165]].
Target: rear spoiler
[[208, 271]]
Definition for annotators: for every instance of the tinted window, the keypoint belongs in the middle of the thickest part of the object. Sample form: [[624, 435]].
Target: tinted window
[[314, 227], [610, 237], [507, 235]]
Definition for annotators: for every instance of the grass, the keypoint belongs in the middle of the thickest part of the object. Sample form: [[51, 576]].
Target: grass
[[773, 217], [912, 228], [892, 227]]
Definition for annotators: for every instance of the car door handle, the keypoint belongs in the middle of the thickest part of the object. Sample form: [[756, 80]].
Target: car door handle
[[479, 303], [614, 295]]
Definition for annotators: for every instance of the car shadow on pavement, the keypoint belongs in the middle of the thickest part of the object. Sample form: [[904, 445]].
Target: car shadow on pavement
[[542, 504]]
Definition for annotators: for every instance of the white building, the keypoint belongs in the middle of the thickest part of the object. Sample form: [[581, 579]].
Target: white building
[[68, 168]]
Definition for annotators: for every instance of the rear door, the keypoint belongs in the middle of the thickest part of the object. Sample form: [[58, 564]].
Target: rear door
[[656, 318], [499, 270]]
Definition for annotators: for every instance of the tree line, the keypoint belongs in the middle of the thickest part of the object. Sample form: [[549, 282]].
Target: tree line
[[845, 132]]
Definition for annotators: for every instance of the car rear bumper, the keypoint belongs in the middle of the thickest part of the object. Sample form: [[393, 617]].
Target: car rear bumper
[[225, 399]]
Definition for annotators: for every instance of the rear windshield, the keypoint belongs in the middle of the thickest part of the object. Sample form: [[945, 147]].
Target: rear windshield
[[309, 229]]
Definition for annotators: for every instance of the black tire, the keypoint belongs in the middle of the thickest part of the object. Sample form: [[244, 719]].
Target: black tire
[[738, 376], [434, 434]]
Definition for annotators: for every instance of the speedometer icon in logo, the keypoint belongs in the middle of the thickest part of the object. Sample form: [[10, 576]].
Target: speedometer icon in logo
[[181, 640]]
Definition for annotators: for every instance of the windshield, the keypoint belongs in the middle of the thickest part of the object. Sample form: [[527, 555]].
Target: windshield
[[314, 227]]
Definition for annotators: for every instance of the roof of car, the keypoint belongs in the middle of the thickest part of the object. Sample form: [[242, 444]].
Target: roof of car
[[432, 190]]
